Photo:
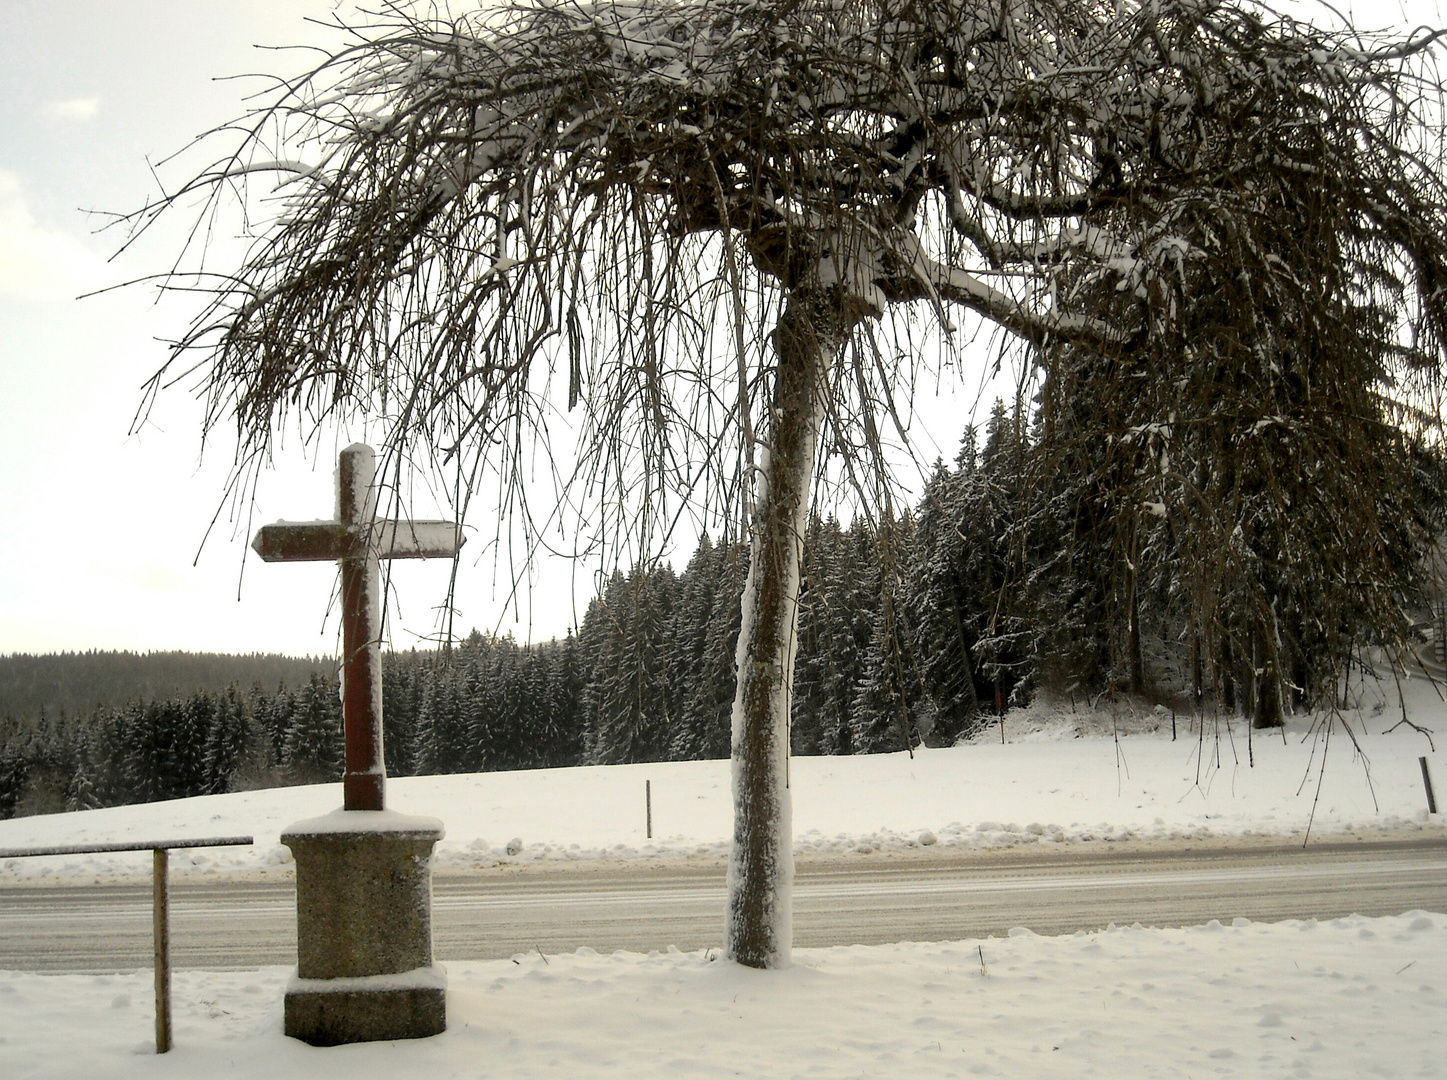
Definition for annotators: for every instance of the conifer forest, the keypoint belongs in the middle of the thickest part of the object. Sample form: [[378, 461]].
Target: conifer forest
[[996, 585]]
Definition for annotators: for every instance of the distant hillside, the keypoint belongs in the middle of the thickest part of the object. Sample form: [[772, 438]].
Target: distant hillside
[[81, 682]]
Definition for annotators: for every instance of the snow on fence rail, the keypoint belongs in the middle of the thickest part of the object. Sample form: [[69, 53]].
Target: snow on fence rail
[[160, 904]]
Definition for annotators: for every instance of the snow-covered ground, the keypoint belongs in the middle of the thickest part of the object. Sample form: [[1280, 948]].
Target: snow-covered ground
[[1347, 998], [1350, 998], [1061, 776]]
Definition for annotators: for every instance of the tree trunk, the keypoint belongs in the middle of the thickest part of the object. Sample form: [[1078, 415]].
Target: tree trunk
[[761, 862], [1226, 672], [1267, 713], [1137, 661], [1197, 671], [1133, 613]]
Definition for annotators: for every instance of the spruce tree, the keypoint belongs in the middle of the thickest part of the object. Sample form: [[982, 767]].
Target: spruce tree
[[560, 728], [313, 750], [235, 755], [942, 588], [628, 692], [884, 714], [705, 694]]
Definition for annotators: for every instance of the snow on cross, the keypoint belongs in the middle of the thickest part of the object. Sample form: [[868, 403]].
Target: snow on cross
[[358, 541]]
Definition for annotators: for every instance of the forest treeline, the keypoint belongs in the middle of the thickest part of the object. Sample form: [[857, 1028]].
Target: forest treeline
[[75, 682], [912, 629]]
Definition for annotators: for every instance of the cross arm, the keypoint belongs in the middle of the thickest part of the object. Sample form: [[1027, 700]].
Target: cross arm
[[304, 541], [328, 541], [416, 539]]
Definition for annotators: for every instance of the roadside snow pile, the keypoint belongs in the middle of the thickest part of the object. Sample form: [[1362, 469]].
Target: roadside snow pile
[[1062, 776], [1348, 998]]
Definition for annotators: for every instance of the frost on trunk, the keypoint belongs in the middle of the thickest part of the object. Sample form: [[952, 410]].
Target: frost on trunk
[[761, 861]]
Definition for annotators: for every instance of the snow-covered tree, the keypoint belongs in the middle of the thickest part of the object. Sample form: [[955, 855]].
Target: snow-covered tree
[[629, 707], [312, 753], [837, 607], [693, 221], [889, 694], [402, 682], [702, 642], [559, 730], [236, 752], [943, 588]]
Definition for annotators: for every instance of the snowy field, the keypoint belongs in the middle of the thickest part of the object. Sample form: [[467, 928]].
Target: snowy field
[[1351, 998], [1354, 997], [1061, 777]]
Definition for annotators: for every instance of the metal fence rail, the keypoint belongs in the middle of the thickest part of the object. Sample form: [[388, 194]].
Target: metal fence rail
[[147, 845], [160, 903]]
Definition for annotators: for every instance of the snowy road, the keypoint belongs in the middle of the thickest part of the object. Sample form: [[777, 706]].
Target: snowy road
[[490, 915]]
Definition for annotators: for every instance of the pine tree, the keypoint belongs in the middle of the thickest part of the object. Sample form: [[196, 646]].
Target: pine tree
[[559, 730], [807, 715], [13, 774], [840, 598], [442, 721], [942, 588], [704, 680], [235, 755], [479, 704], [883, 716], [272, 713], [80, 793], [684, 648], [628, 691], [504, 743], [313, 750], [401, 699]]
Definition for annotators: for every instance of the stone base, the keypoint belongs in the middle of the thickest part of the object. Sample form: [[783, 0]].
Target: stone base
[[364, 930], [344, 1014]]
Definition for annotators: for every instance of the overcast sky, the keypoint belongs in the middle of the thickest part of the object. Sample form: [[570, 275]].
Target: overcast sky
[[100, 528]]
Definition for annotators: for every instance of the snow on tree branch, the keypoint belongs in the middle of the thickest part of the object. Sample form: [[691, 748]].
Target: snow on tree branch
[[474, 208]]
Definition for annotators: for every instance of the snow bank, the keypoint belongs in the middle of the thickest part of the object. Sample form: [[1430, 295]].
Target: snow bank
[[1348, 998], [1063, 776]]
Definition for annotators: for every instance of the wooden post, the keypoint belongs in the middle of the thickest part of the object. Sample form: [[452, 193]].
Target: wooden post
[[365, 777], [161, 939], [648, 805], [1427, 783]]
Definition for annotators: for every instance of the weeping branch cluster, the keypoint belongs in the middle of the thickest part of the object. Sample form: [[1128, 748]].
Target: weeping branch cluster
[[1220, 234], [482, 219]]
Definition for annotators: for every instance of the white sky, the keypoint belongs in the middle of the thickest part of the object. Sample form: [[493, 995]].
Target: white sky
[[100, 529]]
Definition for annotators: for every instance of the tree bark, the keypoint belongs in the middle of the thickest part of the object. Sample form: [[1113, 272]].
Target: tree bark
[[1267, 698], [1137, 660], [761, 862], [1197, 671], [1226, 672], [1133, 614]]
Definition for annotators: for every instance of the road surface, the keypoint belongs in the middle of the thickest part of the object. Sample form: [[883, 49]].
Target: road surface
[[942, 895]]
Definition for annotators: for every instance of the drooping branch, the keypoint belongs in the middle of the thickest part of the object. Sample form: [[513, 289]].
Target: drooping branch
[[447, 184], [595, 218]]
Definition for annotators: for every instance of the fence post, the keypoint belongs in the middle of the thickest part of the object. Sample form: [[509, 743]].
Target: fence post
[[160, 904], [1427, 783], [161, 935], [648, 805]]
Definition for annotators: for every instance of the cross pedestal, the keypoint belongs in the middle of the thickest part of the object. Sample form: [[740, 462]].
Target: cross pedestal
[[363, 876], [364, 929]]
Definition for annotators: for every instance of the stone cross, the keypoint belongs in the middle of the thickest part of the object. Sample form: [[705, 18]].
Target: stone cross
[[357, 540]]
